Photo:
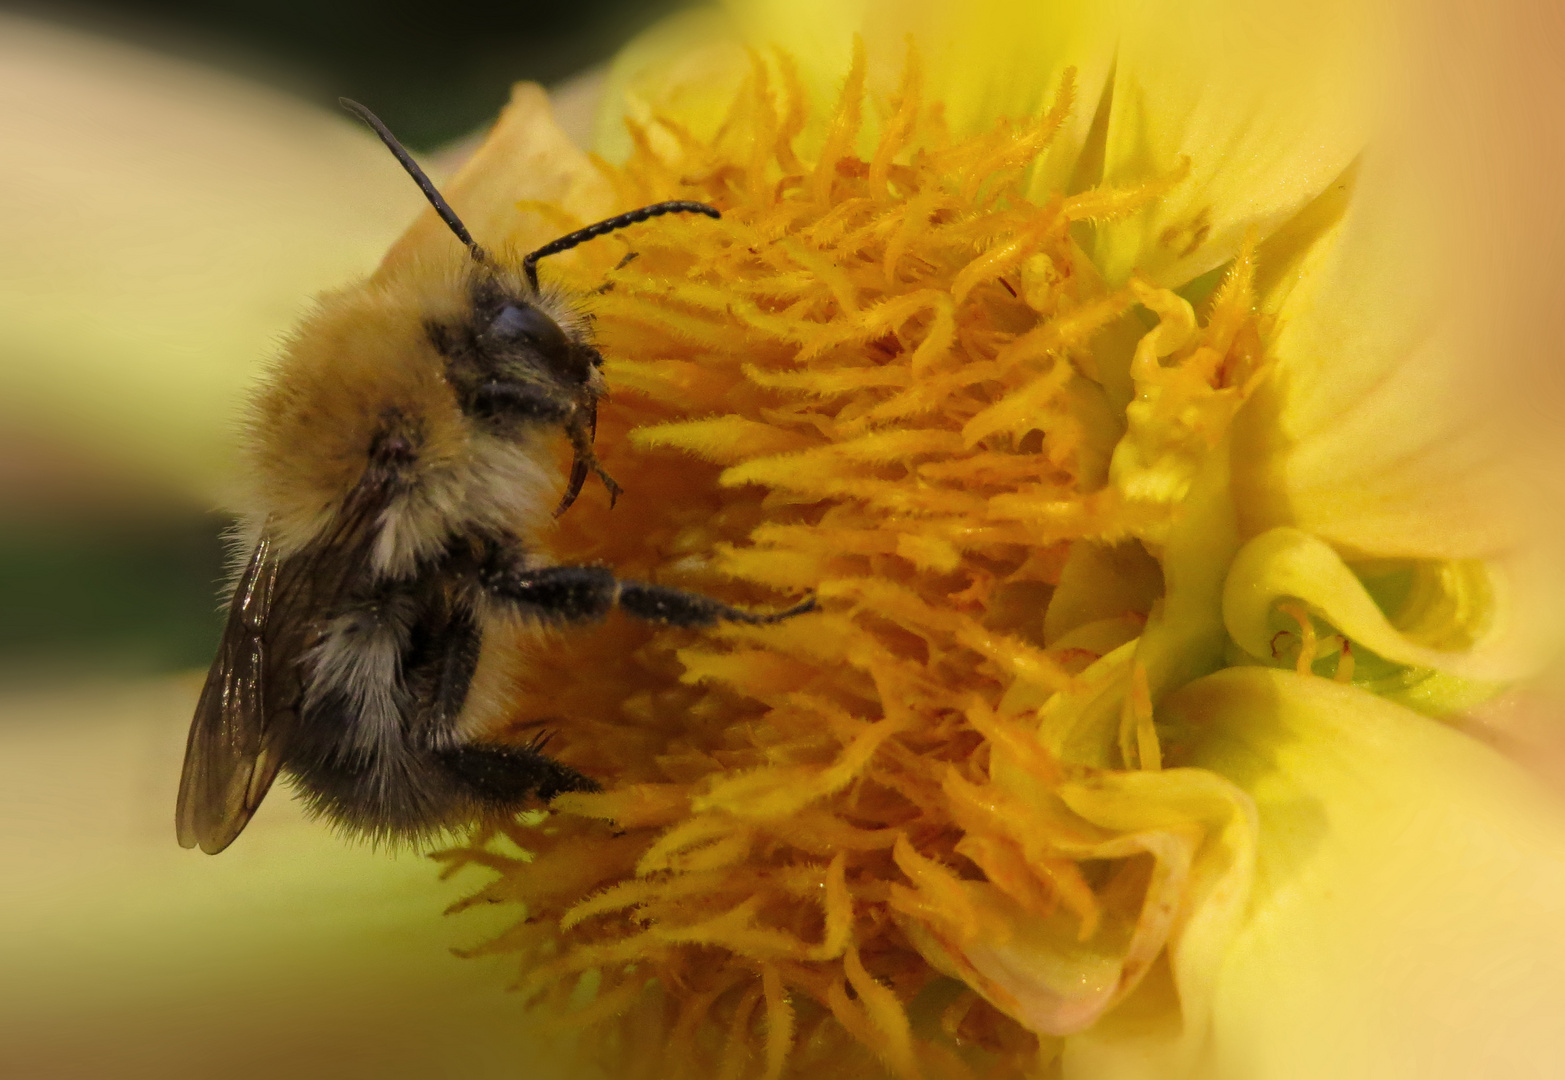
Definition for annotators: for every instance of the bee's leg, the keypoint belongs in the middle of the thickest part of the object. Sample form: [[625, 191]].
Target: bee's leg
[[504, 777], [578, 594]]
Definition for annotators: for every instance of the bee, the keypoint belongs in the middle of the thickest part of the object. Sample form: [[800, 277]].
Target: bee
[[401, 452]]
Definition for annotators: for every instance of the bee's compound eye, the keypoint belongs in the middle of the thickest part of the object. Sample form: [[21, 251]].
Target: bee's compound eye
[[525, 325]]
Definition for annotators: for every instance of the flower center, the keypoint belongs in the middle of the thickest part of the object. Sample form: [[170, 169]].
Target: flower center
[[886, 378]]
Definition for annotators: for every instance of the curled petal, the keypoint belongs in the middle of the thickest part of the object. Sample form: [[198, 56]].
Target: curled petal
[[1052, 951], [1463, 620]]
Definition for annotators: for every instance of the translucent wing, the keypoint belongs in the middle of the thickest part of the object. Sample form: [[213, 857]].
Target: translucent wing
[[233, 753], [249, 708]]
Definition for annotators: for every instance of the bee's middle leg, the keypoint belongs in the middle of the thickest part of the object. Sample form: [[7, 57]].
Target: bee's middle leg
[[580, 594]]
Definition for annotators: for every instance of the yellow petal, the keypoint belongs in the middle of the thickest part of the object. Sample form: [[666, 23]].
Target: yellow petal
[[164, 225], [1264, 104], [1370, 433], [1184, 636], [981, 61], [1417, 326], [1464, 619], [1374, 434], [1259, 110], [1101, 581], [687, 67], [1406, 915], [1179, 844], [1161, 1027]]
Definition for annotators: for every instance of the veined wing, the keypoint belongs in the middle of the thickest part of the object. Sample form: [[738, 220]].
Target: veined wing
[[231, 757], [249, 708]]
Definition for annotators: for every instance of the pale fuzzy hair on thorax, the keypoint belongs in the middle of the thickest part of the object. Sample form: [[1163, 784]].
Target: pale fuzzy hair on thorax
[[363, 359]]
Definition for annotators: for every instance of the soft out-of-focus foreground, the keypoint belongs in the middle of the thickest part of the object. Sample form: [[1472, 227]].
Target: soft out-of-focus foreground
[[165, 216]]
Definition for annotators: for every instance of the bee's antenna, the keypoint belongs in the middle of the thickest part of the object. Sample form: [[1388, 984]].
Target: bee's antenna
[[592, 232], [425, 185]]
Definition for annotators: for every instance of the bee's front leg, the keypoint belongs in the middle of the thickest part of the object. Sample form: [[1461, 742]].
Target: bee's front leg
[[581, 594]]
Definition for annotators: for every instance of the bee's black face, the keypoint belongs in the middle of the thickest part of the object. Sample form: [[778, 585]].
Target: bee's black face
[[519, 332], [513, 365], [521, 340]]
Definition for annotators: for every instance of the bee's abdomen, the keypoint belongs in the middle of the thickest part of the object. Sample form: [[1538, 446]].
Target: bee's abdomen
[[379, 750], [413, 793], [397, 793]]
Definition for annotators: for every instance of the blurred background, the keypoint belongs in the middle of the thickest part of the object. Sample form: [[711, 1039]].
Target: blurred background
[[107, 563], [434, 71]]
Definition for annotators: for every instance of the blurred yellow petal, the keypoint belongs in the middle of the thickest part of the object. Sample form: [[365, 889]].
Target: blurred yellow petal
[[163, 226], [1254, 109], [687, 68], [1405, 920], [983, 62]]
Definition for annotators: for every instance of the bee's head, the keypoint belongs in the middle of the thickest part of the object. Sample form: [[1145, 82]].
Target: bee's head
[[520, 357], [530, 340]]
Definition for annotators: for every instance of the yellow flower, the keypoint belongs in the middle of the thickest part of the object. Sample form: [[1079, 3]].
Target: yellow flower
[[948, 361], [1068, 363]]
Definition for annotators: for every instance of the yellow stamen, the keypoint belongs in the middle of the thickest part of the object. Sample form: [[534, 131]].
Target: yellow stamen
[[779, 1023], [1344, 672], [1138, 736], [1308, 645], [874, 379]]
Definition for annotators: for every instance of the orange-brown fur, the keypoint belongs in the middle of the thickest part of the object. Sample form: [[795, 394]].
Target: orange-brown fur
[[363, 353]]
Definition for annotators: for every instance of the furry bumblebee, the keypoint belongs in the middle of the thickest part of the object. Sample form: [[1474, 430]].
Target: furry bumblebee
[[400, 451]]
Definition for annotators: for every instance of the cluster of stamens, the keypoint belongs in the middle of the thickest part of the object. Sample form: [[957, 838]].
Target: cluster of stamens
[[877, 379]]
